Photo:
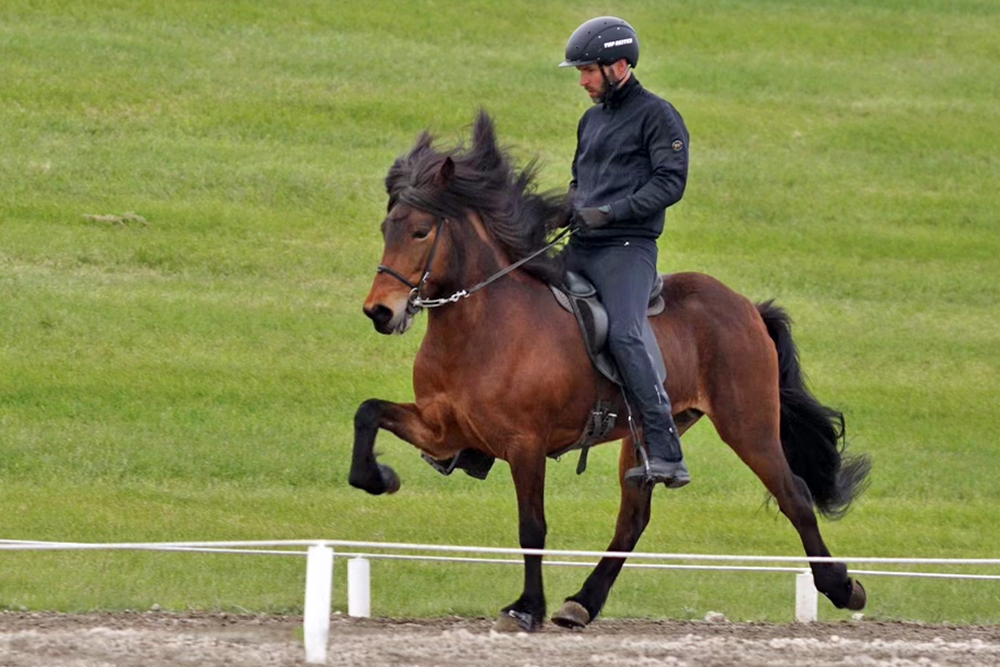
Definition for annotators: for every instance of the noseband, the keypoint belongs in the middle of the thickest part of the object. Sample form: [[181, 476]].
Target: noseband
[[415, 301]]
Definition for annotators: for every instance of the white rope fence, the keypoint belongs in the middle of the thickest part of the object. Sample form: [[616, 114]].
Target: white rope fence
[[319, 556]]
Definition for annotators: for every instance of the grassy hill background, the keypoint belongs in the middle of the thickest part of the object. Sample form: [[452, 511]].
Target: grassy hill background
[[190, 195]]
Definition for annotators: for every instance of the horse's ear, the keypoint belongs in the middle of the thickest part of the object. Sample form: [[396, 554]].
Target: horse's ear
[[445, 173]]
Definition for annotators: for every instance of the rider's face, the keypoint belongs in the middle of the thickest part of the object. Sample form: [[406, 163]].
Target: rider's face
[[591, 80], [594, 83]]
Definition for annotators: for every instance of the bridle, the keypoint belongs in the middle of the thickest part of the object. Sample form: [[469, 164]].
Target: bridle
[[416, 301]]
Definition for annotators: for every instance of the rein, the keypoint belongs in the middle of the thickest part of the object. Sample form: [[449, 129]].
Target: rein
[[416, 301]]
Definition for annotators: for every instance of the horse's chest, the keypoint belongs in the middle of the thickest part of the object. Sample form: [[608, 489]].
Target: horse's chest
[[465, 411]]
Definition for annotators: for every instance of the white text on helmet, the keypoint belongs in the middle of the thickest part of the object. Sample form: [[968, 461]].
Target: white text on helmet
[[619, 42]]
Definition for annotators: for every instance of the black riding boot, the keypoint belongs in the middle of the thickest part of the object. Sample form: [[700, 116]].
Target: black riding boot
[[658, 467], [663, 461]]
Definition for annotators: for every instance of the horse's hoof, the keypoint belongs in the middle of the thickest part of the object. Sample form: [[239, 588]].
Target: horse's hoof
[[515, 621], [389, 478], [858, 597], [573, 615]]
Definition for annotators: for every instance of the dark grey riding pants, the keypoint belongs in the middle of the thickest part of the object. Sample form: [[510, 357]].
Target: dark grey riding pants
[[623, 275]]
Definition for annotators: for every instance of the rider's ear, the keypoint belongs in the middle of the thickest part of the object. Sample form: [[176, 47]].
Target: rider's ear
[[445, 173]]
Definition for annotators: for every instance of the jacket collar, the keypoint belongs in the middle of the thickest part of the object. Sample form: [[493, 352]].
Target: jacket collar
[[628, 90]]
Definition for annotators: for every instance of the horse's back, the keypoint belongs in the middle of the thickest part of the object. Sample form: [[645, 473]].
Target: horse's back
[[696, 299]]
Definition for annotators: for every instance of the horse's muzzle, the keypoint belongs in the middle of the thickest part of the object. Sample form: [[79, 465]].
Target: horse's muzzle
[[381, 317], [388, 322]]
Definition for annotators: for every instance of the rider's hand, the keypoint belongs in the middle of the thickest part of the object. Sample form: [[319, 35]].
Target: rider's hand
[[568, 213], [592, 217]]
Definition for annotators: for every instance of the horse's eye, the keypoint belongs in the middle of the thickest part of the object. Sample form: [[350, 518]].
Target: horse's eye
[[421, 234]]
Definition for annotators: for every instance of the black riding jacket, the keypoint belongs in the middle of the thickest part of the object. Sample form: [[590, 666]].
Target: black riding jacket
[[631, 154]]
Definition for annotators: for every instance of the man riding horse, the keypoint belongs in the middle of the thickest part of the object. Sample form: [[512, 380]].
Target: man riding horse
[[631, 163], [502, 372]]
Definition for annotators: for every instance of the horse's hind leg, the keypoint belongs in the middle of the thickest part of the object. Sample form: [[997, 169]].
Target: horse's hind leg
[[633, 516], [759, 446]]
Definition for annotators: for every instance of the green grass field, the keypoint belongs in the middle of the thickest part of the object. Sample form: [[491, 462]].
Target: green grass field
[[190, 195]]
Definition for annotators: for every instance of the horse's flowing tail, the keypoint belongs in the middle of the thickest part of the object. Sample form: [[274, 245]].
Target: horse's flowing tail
[[812, 434]]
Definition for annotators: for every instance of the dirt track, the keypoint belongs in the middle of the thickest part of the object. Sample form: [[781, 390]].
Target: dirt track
[[151, 639]]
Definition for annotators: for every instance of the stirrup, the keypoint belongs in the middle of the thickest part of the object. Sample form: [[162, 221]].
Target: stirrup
[[673, 474]]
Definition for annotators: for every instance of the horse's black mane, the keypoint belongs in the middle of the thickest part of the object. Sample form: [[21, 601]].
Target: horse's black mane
[[518, 218]]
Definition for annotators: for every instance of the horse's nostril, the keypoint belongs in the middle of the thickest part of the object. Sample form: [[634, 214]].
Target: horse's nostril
[[379, 314]]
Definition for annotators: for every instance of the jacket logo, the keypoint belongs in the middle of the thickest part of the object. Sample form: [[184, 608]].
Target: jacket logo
[[618, 42]]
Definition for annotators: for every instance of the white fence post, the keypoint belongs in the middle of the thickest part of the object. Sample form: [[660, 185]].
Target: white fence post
[[316, 612], [359, 589], [805, 598]]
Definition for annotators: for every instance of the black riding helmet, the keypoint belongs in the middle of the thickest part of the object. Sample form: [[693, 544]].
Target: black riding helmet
[[603, 40]]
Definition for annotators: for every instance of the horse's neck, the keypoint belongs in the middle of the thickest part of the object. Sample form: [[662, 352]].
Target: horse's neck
[[481, 258], [497, 312], [488, 311], [488, 257]]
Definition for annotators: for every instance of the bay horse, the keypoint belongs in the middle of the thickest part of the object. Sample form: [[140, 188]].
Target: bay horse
[[502, 369]]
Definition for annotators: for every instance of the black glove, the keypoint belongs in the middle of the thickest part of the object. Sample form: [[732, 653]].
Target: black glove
[[592, 217], [568, 211]]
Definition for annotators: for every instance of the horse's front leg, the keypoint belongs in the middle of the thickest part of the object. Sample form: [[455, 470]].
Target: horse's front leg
[[401, 419], [528, 611]]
